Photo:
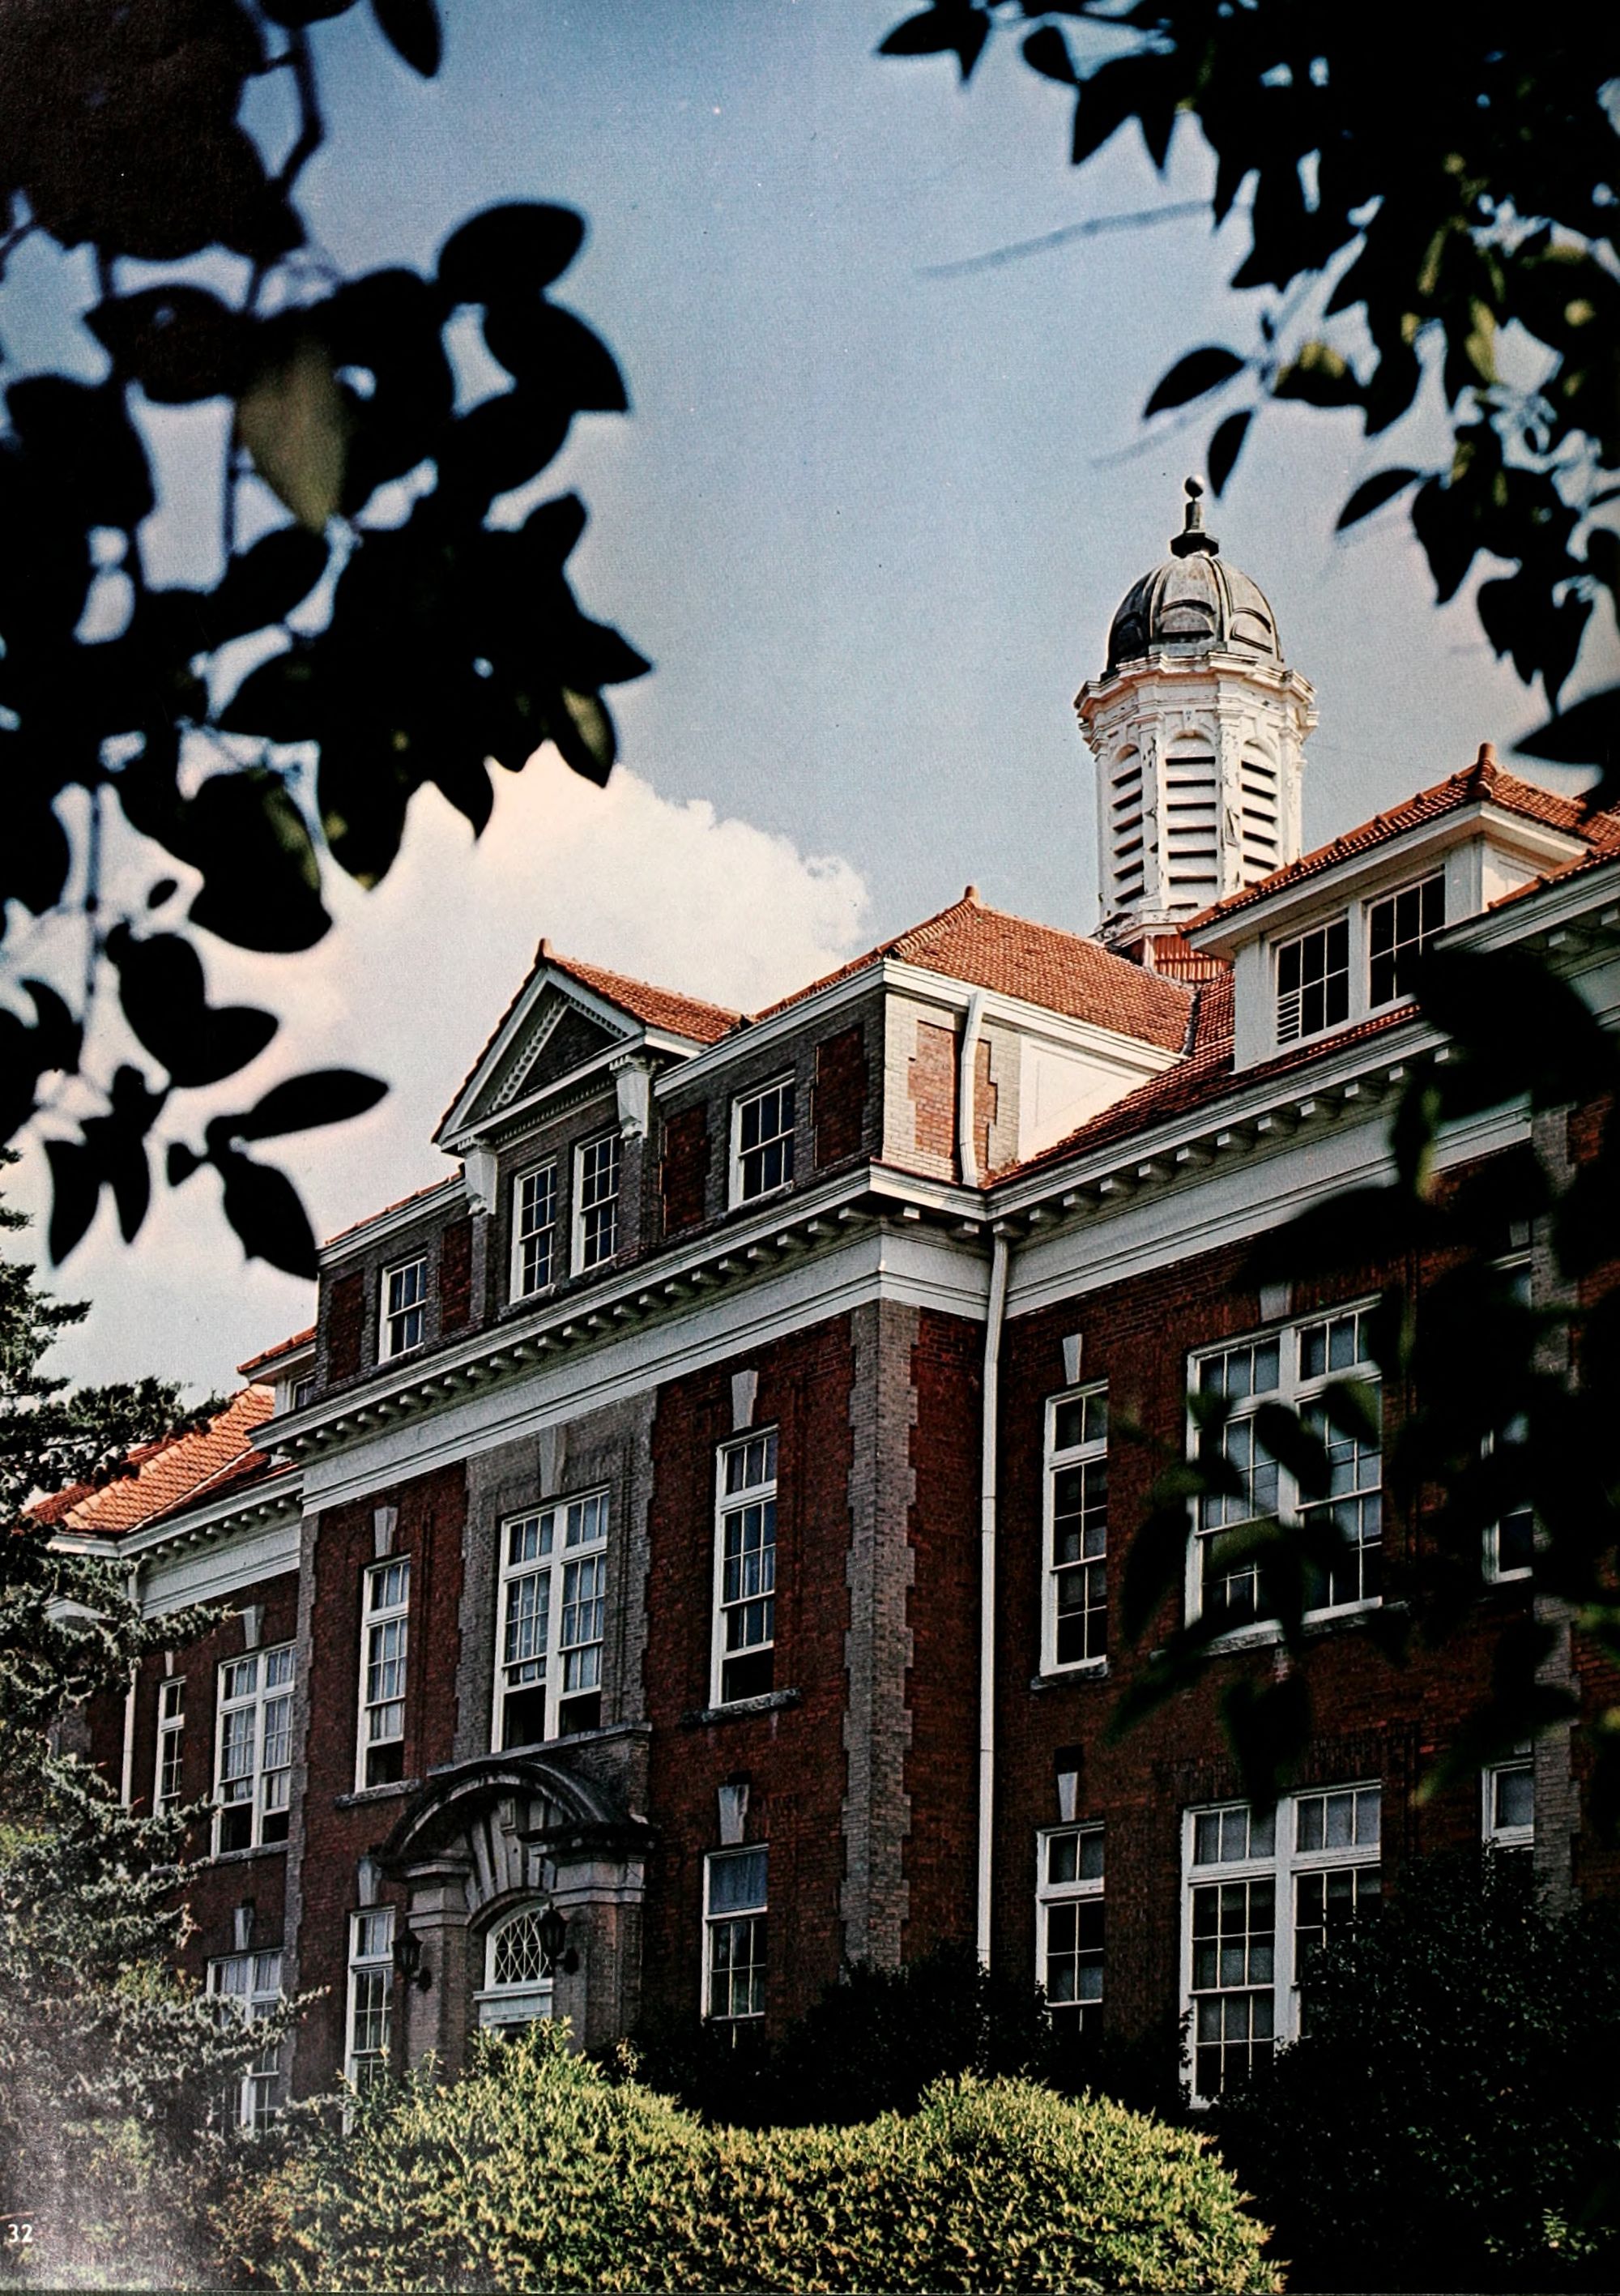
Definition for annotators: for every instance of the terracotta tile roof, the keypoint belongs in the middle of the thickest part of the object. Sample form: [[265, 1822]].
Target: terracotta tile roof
[[1060, 970], [274, 1354], [657, 1008], [415, 1197], [1482, 782], [167, 1475]]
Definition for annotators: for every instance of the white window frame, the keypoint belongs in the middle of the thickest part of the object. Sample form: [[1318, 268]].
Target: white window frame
[[521, 2000], [253, 1982], [1297, 1390], [370, 1979], [779, 1089], [762, 1493], [1376, 901], [1299, 1034], [588, 1251], [565, 1564], [257, 1713], [727, 1922], [1086, 1456], [1080, 1890], [170, 1748], [1278, 1858], [1496, 1831], [376, 1618], [526, 1230], [402, 1321]]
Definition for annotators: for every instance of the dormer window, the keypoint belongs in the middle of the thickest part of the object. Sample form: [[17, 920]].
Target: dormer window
[[404, 1294], [762, 1141], [534, 1230], [1399, 928], [1313, 981], [596, 1181]]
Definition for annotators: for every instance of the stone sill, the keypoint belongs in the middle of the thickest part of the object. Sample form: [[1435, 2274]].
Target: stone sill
[[246, 1857], [1091, 1669], [741, 1710], [390, 1792]]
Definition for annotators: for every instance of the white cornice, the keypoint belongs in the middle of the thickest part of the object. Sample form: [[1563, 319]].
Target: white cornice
[[914, 1264]]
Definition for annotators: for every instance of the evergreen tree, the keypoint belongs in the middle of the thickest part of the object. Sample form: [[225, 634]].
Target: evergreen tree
[[109, 2065]]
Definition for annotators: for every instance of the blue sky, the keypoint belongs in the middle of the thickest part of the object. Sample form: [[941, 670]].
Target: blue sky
[[870, 516]]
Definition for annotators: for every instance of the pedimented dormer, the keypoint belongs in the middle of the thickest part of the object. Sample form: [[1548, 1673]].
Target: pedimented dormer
[[1329, 943], [573, 1030]]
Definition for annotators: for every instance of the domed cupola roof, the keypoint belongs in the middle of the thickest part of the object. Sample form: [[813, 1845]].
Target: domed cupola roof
[[1193, 602]]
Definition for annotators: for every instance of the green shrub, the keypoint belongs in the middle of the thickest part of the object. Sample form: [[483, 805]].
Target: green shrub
[[878, 2038], [1452, 2117], [538, 2171]]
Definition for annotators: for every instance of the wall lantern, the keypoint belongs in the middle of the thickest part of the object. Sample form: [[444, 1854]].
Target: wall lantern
[[407, 1961], [554, 1938]]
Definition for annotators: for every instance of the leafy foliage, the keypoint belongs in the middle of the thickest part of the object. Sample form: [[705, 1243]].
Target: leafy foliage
[[537, 2170], [1452, 2118], [411, 624], [1493, 1425], [1406, 228], [107, 2067], [879, 2038]]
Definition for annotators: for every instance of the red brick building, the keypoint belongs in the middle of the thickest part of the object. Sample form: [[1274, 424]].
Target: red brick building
[[695, 1521]]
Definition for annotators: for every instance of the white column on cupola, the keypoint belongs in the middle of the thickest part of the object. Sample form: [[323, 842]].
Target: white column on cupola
[[1197, 726]]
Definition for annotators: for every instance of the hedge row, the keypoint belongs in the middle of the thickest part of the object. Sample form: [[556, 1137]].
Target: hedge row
[[537, 2171]]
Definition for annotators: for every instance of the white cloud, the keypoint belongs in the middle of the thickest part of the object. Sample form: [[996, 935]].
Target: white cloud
[[408, 986]]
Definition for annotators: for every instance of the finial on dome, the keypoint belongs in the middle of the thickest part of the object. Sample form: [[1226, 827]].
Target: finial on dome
[[1192, 536], [971, 893]]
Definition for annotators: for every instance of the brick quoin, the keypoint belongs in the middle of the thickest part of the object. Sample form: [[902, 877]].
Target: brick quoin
[[932, 1084], [987, 1103]]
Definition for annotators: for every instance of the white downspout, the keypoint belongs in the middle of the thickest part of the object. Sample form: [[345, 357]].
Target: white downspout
[[999, 1246], [966, 1155]]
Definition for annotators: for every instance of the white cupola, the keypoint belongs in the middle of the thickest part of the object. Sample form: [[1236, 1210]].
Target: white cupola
[[1198, 727]]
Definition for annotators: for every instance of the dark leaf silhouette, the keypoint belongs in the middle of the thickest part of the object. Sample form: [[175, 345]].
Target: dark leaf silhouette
[[1194, 377]]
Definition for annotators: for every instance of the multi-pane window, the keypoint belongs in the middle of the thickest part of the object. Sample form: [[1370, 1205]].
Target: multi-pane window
[[734, 1887], [1265, 1889], [404, 1296], [518, 1971], [596, 1177], [1507, 1801], [384, 1646], [370, 1996], [763, 1141], [534, 1230], [171, 1742], [1313, 981], [1078, 1529], [252, 1983], [745, 1567], [1070, 1911], [253, 1770], [1399, 928], [552, 1621], [1292, 1367]]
